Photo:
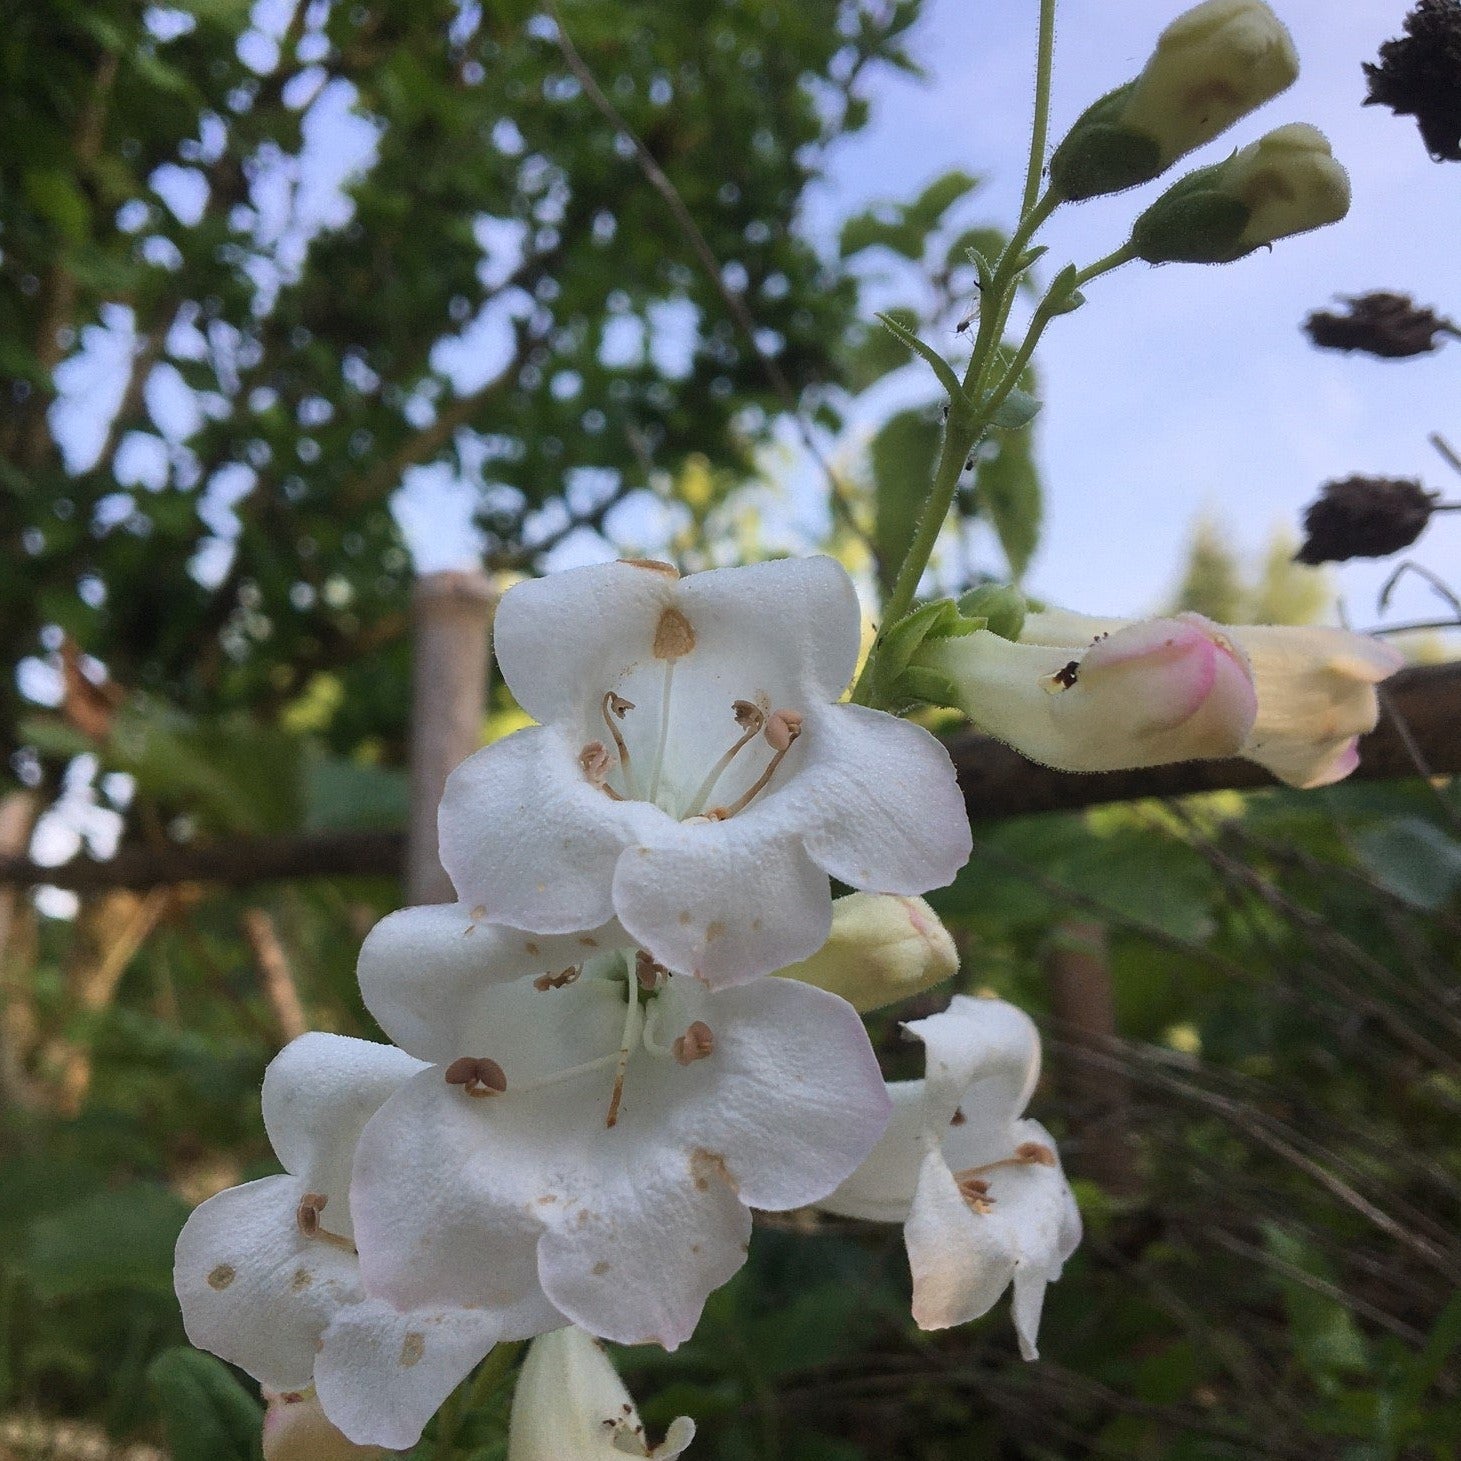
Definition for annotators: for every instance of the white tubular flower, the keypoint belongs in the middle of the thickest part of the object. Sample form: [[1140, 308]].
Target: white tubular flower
[[979, 1191], [268, 1277], [608, 1119], [571, 1405], [296, 1429], [1141, 694], [692, 775], [1315, 687], [1289, 182], [882, 949]]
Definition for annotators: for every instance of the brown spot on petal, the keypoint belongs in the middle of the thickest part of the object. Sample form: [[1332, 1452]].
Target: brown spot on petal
[[600, 1268], [673, 636], [533, 949], [222, 1276], [957, 1119], [686, 918], [589, 943], [706, 1166], [714, 931], [301, 1280], [413, 1346]]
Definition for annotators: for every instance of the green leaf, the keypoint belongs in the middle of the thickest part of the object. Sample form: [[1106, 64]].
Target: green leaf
[[878, 352], [903, 455], [1008, 486], [1414, 859], [343, 795], [941, 367], [209, 1416], [870, 230], [927, 210], [118, 1239], [1326, 1338]]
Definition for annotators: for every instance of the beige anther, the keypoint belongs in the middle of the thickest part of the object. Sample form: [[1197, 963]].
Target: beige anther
[[1035, 1153], [557, 981], [616, 705], [695, 1044], [673, 636], [477, 1075], [653, 565], [749, 716], [783, 727], [307, 1216]]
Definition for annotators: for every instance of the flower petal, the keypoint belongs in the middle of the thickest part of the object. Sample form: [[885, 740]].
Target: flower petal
[[382, 1374], [877, 802], [527, 841], [726, 901], [985, 1044], [319, 1092], [881, 1189], [433, 976], [254, 1290]]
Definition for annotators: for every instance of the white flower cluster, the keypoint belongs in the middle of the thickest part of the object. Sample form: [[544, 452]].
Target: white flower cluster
[[592, 1083]]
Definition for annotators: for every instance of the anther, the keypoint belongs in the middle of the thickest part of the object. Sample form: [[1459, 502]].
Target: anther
[[478, 1076], [695, 1044], [751, 719], [614, 708], [594, 758], [307, 1216], [673, 636], [1035, 1153], [975, 1193], [651, 975], [557, 981], [783, 728]]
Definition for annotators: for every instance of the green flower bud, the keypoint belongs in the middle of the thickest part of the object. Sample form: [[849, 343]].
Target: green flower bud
[[1285, 183], [1001, 605], [1212, 66], [882, 948]]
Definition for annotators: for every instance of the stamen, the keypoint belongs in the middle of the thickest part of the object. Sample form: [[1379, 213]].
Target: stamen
[[976, 1194], [594, 758], [649, 974], [625, 1045], [614, 708], [752, 719], [478, 1076], [695, 1044], [974, 1189], [307, 1216], [664, 724], [783, 728], [557, 981]]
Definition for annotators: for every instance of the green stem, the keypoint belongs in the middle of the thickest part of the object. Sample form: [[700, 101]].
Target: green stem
[[1044, 56], [472, 1396], [1104, 265]]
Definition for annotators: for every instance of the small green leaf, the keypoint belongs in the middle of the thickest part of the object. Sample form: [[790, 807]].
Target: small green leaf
[[941, 367], [209, 1416], [902, 455], [118, 1239], [1019, 408], [1414, 859], [1008, 487]]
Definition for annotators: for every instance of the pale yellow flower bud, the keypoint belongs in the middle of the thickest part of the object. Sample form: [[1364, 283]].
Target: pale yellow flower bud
[[882, 948], [1290, 183], [1212, 66], [296, 1429]]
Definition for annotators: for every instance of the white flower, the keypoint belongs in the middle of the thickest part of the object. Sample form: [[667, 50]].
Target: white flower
[[1315, 688], [1138, 694], [268, 1277], [692, 775], [979, 1191], [296, 1429], [571, 1405], [612, 1121]]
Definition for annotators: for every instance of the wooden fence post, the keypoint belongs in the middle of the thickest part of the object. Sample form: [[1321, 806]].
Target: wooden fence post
[[451, 613]]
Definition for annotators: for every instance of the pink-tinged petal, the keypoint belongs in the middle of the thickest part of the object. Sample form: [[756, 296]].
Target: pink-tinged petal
[[881, 1189], [876, 801], [253, 1289], [528, 841], [382, 1374], [296, 1429], [319, 1092], [561, 641], [433, 977], [790, 1101], [635, 1259], [446, 1216], [726, 901], [1316, 694], [794, 622]]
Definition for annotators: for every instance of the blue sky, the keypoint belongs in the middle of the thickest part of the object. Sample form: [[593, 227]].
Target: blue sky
[[1185, 389]]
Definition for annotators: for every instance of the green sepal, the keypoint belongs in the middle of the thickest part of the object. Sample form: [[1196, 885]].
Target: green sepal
[[1018, 408], [1195, 226], [897, 647], [1101, 156], [1001, 606], [941, 367]]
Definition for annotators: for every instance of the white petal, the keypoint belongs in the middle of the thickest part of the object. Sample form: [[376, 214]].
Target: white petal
[[1062, 627], [877, 802], [796, 621], [983, 1058], [432, 976], [382, 1374], [527, 841], [881, 1189], [443, 1219], [319, 1092], [253, 1289], [726, 901], [561, 641]]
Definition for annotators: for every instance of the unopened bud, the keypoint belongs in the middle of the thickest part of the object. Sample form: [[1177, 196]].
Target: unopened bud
[[882, 948], [1002, 604], [1364, 517], [1285, 183], [1212, 66]]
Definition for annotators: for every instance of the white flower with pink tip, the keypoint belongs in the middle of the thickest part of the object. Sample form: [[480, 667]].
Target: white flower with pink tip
[[693, 776]]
